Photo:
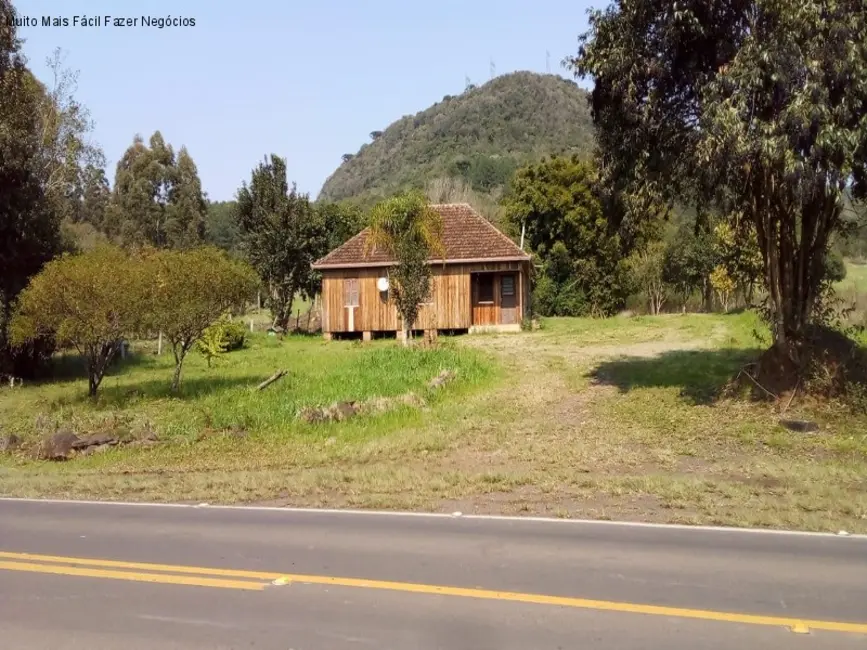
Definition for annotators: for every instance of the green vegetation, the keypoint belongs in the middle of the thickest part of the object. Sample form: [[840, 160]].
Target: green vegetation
[[555, 205], [728, 170], [88, 302], [282, 236], [480, 136], [184, 292], [740, 107], [408, 229], [157, 198], [619, 418]]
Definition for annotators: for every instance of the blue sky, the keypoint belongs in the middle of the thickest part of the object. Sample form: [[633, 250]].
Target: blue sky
[[305, 80]]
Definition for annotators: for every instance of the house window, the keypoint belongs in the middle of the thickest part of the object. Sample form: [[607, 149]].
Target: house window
[[507, 286], [486, 287], [350, 292]]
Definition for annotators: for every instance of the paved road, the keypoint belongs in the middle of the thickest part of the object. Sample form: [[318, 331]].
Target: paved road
[[104, 576]]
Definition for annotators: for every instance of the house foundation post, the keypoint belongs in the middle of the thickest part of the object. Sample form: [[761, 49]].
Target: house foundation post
[[366, 336]]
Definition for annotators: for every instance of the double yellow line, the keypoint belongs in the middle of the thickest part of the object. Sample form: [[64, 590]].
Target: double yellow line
[[259, 580], [166, 574]]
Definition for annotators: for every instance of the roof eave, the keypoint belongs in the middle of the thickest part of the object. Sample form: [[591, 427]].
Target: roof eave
[[368, 265]]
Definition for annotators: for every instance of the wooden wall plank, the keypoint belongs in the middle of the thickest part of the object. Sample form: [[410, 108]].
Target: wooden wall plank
[[451, 306]]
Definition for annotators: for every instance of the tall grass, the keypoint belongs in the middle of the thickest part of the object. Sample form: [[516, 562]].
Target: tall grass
[[224, 397]]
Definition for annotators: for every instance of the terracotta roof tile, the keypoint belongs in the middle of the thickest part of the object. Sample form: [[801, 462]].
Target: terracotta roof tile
[[467, 235]]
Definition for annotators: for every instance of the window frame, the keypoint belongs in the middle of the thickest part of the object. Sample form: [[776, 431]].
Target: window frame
[[493, 293], [503, 293], [350, 290]]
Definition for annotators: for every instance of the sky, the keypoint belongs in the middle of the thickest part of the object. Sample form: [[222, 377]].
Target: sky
[[306, 80]]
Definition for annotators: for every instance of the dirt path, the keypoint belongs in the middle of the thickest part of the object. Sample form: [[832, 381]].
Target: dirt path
[[536, 446]]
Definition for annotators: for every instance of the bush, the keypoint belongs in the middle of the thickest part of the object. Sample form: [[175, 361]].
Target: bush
[[234, 334], [835, 267], [220, 337]]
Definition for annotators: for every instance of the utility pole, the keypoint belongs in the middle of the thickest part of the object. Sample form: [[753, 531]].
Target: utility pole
[[547, 61], [493, 69]]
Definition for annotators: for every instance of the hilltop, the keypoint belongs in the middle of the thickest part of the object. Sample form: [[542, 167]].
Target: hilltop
[[481, 135]]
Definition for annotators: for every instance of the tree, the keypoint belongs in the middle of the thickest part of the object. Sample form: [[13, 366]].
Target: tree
[[411, 232], [29, 227], [723, 284], [187, 208], [190, 290], [89, 302], [66, 157], [755, 105], [221, 226], [739, 256], [96, 195], [646, 268], [689, 259], [282, 236], [142, 187], [341, 220], [835, 267], [554, 204]]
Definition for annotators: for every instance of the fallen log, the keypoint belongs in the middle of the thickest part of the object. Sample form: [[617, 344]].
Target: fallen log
[[277, 375]]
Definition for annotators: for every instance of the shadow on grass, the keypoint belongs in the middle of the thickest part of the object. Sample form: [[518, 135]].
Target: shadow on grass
[[191, 389], [700, 374], [71, 366]]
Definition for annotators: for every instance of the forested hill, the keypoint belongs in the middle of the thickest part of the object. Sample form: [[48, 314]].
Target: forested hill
[[481, 135]]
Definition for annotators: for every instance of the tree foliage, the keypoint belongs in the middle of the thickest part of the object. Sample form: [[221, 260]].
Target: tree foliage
[[89, 302], [340, 221], [188, 291], [480, 137], [755, 105], [555, 204], [408, 229], [157, 198], [66, 156], [29, 224], [646, 268], [282, 236], [690, 257], [222, 228], [187, 207]]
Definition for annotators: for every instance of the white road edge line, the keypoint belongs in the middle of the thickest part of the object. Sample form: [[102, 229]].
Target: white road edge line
[[439, 515]]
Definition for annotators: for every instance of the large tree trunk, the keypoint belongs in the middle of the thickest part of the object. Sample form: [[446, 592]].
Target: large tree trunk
[[793, 253]]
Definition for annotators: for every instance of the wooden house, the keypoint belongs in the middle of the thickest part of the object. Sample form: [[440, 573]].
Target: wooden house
[[483, 283]]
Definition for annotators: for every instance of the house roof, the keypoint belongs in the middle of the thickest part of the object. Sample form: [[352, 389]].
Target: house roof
[[467, 237]]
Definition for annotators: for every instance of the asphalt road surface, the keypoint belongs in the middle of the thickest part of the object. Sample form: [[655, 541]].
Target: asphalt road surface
[[79, 576]]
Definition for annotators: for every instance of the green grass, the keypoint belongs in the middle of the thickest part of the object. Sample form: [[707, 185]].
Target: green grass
[[855, 280], [618, 418], [222, 400]]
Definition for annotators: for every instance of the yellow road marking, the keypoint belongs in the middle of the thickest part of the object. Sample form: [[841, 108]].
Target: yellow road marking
[[32, 562], [128, 575], [143, 566]]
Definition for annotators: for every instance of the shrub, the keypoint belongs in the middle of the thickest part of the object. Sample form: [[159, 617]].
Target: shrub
[[222, 336], [234, 334]]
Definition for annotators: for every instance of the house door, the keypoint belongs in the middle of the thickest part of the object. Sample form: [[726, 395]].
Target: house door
[[350, 305], [484, 299], [508, 299]]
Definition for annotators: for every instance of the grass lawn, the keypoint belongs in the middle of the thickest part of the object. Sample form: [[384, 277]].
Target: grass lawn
[[616, 418], [856, 278]]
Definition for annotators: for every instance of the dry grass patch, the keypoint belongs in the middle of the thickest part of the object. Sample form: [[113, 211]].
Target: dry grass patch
[[617, 419]]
